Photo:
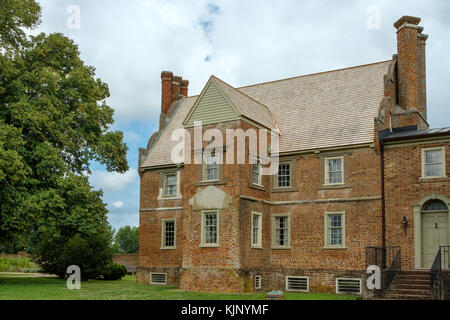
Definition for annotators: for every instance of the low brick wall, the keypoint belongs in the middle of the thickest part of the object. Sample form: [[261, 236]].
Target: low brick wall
[[130, 261]]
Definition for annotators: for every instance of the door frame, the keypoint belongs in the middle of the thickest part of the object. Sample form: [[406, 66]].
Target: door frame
[[418, 226]]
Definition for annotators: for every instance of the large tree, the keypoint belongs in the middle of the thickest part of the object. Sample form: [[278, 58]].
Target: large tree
[[54, 122], [126, 240]]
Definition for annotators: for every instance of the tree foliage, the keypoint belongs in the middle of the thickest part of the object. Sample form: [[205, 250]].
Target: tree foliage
[[54, 122], [126, 240]]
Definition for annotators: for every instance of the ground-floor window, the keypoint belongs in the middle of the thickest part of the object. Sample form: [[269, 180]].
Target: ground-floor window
[[210, 229], [334, 225]]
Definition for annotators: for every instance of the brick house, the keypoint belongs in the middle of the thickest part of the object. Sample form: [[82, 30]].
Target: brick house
[[360, 172]]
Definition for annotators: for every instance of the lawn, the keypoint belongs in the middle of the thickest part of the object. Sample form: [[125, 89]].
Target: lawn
[[125, 289]]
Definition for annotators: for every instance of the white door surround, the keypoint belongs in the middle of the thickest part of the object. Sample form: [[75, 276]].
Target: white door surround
[[418, 227]]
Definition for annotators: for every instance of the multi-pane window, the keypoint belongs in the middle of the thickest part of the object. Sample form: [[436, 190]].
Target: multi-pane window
[[433, 163], [281, 231], [257, 173], [284, 175], [169, 234], [211, 167], [256, 230], [210, 228], [334, 171], [335, 230], [170, 184]]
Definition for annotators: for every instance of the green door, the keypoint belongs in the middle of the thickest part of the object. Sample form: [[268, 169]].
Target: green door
[[434, 234]]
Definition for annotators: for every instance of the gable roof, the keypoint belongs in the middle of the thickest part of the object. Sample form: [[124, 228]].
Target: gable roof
[[220, 102], [317, 111]]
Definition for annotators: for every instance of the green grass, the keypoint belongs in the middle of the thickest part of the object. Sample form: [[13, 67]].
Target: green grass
[[125, 289]]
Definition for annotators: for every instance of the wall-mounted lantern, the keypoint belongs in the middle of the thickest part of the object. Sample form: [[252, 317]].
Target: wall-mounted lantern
[[405, 223]]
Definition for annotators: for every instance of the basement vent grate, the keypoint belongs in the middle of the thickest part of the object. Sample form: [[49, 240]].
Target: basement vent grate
[[257, 282], [348, 286], [158, 278], [299, 284]]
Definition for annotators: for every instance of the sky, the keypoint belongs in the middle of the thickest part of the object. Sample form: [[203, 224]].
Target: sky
[[241, 42]]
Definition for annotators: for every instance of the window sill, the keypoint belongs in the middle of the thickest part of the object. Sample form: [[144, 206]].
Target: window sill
[[334, 186], [281, 190], [334, 248], [178, 197], [257, 248], [211, 183], [166, 248], [432, 179], [282, 248], [205, 246], [258, 187]]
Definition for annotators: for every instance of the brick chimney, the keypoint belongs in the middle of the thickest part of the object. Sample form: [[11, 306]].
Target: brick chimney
[[411, 65], [166, 92], [184, 88], [172, 90]]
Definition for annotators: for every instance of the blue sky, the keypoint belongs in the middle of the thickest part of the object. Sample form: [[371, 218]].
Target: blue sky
[[242, 42]]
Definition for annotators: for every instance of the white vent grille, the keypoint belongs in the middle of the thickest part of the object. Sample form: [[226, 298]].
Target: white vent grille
[[348, 286], [299, 284], [158, 278], [257, 282]]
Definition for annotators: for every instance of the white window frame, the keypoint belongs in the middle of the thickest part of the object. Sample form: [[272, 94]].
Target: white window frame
[[203, 243], [162, 189], [351, 279], [424, 171], [257, 245], [274, 235], [327, 173], [327, 244], [259, 182], [277, 184], [163, 234], [205, 156], [165, 184]]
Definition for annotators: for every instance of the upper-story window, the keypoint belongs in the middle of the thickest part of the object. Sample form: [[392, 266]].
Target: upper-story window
[[170, 184], [433, 162], [210, 229], [211, 167], [257, 174], [284, 175], [334, 171]]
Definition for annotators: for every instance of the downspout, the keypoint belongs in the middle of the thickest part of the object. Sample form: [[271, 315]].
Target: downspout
[[383, 207]]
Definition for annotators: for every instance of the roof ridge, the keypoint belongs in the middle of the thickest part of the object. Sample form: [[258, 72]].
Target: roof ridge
[[313, 74], [252, 99]]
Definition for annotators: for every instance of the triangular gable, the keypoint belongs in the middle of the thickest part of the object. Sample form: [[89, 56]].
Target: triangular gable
[[211, 107]]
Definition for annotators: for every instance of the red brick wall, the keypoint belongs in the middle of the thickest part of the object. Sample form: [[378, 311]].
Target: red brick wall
[[404, 190]]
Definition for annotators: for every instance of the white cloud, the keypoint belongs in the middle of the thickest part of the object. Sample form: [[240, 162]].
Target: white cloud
[[118, 204], [111, 181]]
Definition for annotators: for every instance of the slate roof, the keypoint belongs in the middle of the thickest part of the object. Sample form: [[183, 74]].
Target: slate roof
[[329, 109]]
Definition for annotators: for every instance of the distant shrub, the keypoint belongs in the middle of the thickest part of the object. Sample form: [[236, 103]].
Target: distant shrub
[[16, 264], [114, 271]]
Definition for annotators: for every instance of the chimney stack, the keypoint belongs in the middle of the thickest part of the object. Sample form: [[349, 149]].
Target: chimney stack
[[411, 64], [166, 92], [184, 88]]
